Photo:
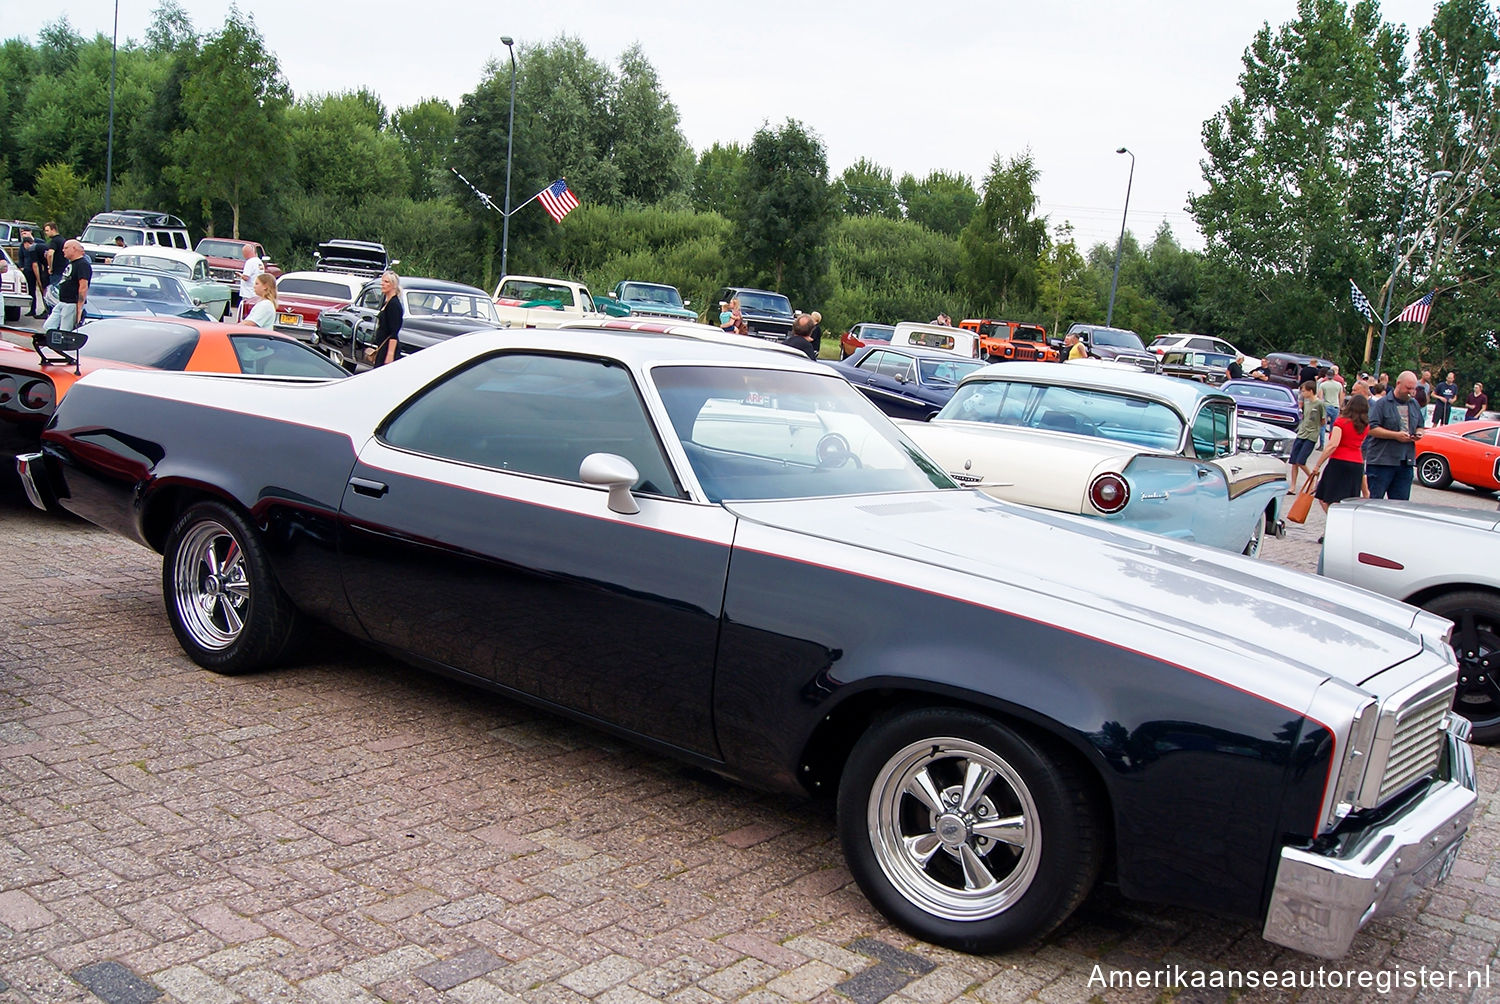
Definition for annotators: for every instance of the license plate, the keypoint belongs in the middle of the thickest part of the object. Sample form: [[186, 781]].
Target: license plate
[[292, 320]]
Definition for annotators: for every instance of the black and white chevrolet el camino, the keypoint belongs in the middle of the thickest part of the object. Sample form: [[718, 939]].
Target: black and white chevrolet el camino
[[648, 532]]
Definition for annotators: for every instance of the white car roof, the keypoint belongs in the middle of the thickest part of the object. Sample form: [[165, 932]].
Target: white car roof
[[188, 258]]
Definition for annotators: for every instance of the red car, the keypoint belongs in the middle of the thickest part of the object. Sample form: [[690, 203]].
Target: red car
[[861, 335], [226, 259], [1465, 452], [303, 296]]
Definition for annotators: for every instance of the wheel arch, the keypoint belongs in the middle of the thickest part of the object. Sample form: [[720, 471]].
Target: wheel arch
[[1427, 594], [170, 499]]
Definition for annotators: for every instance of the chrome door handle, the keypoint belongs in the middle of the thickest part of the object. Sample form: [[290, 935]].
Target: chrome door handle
[[366, 487]]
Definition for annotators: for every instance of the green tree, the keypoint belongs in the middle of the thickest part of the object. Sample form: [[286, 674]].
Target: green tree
[[717, 178], [1064, 291], [647, 147], [427, 131], [235, 95], [1000, 248], [340, 151], [865, 189], [784, 212], [59, 196], [942, 202]]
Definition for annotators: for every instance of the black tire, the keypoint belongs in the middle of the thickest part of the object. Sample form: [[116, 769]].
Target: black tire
[[12, 314], [1476, 642], [1017, 889], [227, 610], [1433, 472]]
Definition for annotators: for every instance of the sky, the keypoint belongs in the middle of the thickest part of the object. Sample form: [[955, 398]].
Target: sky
[[913, 89]]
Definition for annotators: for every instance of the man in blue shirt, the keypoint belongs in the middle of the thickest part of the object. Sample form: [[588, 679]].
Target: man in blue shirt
[[1391, 447]]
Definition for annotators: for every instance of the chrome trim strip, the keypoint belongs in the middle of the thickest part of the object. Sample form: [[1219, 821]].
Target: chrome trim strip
[[1321, 900], [24, 462]]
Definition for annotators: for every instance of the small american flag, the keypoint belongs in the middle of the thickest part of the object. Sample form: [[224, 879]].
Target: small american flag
[[558, 200], [1361, 302], [1417, 312]]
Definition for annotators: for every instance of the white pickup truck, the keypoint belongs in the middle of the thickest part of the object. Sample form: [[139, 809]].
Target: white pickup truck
[[526, 301]]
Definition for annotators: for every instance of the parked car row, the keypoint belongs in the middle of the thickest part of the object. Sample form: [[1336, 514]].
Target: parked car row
[[625, 525]]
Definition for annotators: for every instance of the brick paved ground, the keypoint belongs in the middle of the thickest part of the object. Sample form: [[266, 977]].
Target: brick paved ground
[[350, 830]]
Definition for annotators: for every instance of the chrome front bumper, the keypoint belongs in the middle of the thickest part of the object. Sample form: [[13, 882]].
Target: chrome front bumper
[[34, 480], [1321, 900]]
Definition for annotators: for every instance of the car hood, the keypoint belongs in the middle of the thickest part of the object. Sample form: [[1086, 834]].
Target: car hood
[[1226, 607]]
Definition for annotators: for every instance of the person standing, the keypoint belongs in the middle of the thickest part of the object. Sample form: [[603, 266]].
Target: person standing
[[1475, 404], [1236, 368], [253, 267], [72, 290], [817, 334], [1344, 458], [1308, 431], [1073, 348], [801, 337], [263, 314], [57, 262], [1390, 448], [34, 267], [1444, 394], [388, 321], [1331, 393]]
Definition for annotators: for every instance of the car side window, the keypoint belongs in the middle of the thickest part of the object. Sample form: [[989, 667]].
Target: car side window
[[896, 366], [370, 298], [535, 414], [1485, 436], [871, 361], [1211, 431]]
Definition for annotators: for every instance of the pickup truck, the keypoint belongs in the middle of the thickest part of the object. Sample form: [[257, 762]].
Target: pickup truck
[[226, 259], [653, 299], [527, 301]]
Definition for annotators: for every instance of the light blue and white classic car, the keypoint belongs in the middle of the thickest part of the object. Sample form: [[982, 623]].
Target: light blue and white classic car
[[1151, 452]]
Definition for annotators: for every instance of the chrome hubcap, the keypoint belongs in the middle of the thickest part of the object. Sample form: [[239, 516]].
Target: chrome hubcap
[[954, 828], [210, 588]]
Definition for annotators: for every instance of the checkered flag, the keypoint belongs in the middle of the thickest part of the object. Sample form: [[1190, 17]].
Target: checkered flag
[[1361, 302]]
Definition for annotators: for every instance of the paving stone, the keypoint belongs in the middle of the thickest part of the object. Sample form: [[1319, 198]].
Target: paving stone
[[449, 973], [894, 957], [19, 912], [874, 984], [115, 984]]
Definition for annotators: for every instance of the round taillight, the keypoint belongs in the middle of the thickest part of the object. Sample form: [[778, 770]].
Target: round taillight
[[37, 395], [1109, 493], [8, 387]]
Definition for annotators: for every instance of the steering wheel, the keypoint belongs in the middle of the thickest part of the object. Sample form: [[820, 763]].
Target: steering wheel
[[833, 452]]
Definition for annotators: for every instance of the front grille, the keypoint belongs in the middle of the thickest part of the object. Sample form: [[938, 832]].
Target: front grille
[[224, 275], [1417, 744], [1025, 352], [648, 312]]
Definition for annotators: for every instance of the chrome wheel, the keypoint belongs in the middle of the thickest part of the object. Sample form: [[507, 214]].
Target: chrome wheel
[[1432, 471], [211, 590], [1257, 538], [954, 828]]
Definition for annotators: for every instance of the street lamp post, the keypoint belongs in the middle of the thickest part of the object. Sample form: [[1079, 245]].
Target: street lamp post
[[510, 141], [1109, 316], [109, 156], [1390, 284]]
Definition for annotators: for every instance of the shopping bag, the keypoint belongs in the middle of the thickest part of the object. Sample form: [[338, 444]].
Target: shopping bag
[[1301, 506]]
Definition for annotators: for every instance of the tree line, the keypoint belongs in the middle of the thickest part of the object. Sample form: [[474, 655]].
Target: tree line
[[1334, 142]]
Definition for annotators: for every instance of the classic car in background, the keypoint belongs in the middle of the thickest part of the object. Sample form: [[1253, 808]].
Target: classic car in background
[[533, 301], [1143, 451], [226, 261], [301, 298], [366, 258], [121, 291], [1465, 452], [1211, 368], [905, 382], [12, 287], [1442, 559], [768, 315], [653, 299], [30, 389], [189, 266], [1265, 401], [435, 310], [1202, 343], [862, 334], [10, 236], [1118, 344], [1262, 437], [940, 337], [631, 534], [1286, 367], [1010, 341]]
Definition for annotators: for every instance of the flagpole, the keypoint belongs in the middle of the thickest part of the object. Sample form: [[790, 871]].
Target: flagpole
[[488, 201]]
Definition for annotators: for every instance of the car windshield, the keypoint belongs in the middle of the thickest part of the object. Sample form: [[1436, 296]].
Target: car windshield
[[651, 294], [152, 286], [946, 371], [877, 332], [1259, 392], [313, 287], [271, 356], [764, 303], [531, 292], [106, 235], [220, 248], [1088, 412], [159, 344], [177, 268], [438, 303], [754, 433], [1116, 338]]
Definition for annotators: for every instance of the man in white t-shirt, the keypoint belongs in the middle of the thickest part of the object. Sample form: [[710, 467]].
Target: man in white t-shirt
[[253, 267]]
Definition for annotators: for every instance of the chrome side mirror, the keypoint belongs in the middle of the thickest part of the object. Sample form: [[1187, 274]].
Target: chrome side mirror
[[612, 471]]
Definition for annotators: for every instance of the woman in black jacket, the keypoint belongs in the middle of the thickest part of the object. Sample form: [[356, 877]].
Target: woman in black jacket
[[388, 321]]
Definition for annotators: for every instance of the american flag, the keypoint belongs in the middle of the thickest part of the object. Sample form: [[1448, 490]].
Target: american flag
[[558, 200], [1361, 302], [1417, 312]]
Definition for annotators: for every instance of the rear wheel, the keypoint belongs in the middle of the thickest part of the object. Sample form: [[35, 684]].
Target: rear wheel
[[1433, 472], [966, 833], [1476, 641], [226, 608]]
